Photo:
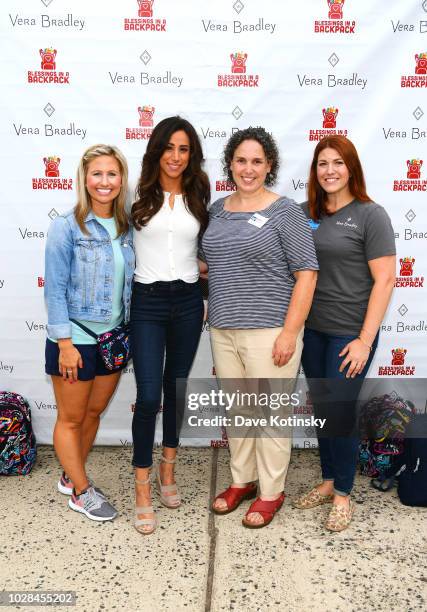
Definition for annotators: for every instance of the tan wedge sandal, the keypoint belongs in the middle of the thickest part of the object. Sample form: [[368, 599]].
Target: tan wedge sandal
[[170, 501], [148, 525]]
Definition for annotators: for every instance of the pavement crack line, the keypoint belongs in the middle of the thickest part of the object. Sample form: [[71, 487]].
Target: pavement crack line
[[212, 532]]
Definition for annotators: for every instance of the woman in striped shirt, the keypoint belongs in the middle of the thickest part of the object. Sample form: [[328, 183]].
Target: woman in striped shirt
[[262, 275]]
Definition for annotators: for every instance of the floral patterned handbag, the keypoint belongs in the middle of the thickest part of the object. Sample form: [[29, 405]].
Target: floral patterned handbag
[[113, 345]]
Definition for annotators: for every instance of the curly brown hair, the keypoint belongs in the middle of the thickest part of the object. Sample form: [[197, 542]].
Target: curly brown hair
[[268, 144]]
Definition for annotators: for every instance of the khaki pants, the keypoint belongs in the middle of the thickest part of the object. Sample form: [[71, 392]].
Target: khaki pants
[[247, 353]]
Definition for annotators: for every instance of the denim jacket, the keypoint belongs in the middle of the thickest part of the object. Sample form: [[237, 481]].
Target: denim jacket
[[79, 273]]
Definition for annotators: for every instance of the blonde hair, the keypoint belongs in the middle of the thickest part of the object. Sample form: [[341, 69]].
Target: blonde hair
[[83, 206]]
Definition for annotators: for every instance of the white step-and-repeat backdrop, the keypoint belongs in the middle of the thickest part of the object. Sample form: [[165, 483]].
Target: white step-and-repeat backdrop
[[76, 73]]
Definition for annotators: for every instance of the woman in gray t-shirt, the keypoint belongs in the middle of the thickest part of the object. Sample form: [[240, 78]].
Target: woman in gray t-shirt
[[262, 273], [355, 248]]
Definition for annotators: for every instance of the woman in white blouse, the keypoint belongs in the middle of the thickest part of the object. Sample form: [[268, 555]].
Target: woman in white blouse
[[169, 215]]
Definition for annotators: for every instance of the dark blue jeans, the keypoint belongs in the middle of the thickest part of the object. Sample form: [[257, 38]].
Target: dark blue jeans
[[165, 317], [338, 454]]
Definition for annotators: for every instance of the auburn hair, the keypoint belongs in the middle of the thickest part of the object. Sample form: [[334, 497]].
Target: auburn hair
[[317, 196], [195, 182]]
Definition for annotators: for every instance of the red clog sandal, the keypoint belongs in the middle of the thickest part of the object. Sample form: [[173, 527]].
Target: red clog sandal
[[234, 497], [267, 509]]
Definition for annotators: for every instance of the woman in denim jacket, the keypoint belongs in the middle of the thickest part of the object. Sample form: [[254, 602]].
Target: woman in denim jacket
[[89, 269]]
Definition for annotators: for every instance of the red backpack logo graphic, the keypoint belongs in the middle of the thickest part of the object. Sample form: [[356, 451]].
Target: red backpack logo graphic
[[421, 63], [48, 59], [145, 123], [330, 117], [144, 22], [51, 166], [238, 63], [145, 8], [406, 266], [414, 168], [146, 116], [51, 179], [335, 9], [398, 356]]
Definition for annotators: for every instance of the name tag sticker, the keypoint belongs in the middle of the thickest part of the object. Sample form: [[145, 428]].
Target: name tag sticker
[[258, 220]]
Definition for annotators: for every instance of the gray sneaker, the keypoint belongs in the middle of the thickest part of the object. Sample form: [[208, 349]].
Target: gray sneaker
[[65, 486], [93, 505]]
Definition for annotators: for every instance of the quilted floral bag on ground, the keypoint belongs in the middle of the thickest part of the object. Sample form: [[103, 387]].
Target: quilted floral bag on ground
[[383, 422], [17, 440]]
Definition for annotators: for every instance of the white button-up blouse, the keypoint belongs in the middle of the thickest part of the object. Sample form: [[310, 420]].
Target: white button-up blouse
[[166, 248]]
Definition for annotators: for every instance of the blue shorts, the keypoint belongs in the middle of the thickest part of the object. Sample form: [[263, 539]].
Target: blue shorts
[[92, 361]]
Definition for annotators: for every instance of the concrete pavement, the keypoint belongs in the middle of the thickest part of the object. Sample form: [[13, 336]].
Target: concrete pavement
[[199, 562]]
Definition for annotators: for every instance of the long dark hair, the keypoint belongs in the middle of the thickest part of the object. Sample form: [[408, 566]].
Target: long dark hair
[[195, 182], [316, 195]]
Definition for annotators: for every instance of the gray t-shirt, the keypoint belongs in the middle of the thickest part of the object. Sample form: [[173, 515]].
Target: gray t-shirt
[[251, 259], [345, 242]]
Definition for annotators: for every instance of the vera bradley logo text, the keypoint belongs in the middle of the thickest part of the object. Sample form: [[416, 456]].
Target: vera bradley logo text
[[347, 223], [6, 367]]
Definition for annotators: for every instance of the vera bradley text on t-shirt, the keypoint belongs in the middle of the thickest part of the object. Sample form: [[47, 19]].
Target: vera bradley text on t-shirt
[[347, 223]]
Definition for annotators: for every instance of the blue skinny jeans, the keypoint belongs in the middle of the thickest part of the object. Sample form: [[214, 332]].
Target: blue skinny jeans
[[338, 454], [166, 321]]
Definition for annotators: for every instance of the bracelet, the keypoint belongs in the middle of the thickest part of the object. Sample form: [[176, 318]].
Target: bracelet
[[369, 347]]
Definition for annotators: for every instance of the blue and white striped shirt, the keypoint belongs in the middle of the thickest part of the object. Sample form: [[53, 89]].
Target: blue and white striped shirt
[[251, 267]]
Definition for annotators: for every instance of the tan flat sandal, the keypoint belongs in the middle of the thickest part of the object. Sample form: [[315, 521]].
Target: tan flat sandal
[[340, 517]]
